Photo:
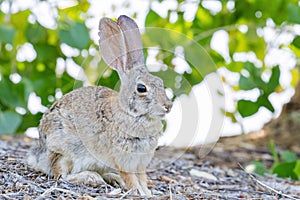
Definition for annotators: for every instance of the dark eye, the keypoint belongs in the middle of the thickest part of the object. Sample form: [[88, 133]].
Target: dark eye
[[141, 88]]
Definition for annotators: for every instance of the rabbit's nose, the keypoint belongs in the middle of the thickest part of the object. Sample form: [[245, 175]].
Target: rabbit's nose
[[168, 106]]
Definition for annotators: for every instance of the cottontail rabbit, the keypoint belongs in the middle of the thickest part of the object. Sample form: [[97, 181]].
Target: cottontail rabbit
[[92, 133]]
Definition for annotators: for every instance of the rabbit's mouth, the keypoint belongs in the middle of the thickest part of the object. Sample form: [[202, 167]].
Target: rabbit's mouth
[[160, 116], [160, 112]]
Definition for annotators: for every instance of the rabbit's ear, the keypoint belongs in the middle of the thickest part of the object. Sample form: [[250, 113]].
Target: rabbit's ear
[[112, 45], [133, 41]]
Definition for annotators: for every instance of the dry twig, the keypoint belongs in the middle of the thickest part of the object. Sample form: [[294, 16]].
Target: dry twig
[[279, 193]]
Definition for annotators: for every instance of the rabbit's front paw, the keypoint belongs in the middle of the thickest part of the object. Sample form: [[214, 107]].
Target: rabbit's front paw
[[113, 179], [137, 182], [86, 178]]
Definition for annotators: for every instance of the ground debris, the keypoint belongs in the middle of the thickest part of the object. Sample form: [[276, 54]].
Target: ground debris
[[175, 174], [202, 174]]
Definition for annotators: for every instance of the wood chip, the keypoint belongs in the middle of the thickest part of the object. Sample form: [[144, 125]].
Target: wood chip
[[167, 179], [115, 191], [202, 174]]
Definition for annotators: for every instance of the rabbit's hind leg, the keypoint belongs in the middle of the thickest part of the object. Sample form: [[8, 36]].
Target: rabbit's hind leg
[[56, 165], [113, 179], [61, 166], [86, 177]]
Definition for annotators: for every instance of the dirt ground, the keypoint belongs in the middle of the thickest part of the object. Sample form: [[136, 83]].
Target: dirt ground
[[174, 174]]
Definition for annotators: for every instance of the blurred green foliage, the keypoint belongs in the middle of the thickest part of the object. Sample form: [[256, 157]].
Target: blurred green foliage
[[234, 16], [286, 164], [41, 76]]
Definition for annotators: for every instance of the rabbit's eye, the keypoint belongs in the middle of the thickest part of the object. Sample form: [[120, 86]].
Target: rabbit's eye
[[141, 88]]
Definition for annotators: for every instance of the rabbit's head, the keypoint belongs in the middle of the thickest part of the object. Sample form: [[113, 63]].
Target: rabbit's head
[[141, 93]]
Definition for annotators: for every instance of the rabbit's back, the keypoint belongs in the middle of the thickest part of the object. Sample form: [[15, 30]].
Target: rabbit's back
[[81, 108], [78, 112], [72, 124]]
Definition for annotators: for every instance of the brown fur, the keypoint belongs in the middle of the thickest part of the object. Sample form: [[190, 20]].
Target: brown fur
[[54, 159]]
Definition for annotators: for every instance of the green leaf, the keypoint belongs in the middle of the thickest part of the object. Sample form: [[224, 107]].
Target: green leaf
[[246, 83], [217, 58], [198, 58], [231, 115], [258, 168], [76, 35], [264, 101], [111, 82], [274, 80], [7, 33], [20, 21], [169, 78], [205, 20], [254, 80], [29, 120], [285, 169], [193, 78], [46, 53], [9, 122], [254, 71], [293, 13], [36, 33], [28, 86], [297, 169], [273, 151], [288, 156], [247, 108], [296, 42], [12, 94], [235, 66], [153, 19]]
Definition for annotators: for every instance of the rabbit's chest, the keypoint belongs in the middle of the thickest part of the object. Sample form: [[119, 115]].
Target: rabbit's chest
[[134, 153], [137, 138], [134, 145]]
